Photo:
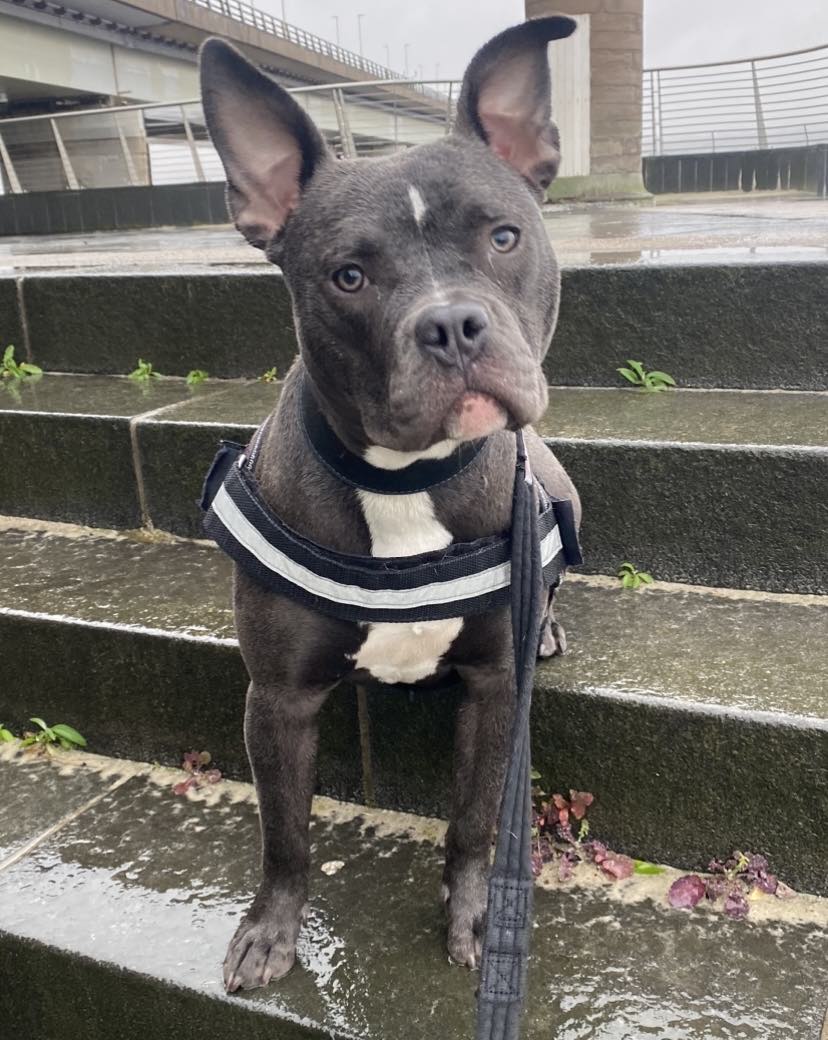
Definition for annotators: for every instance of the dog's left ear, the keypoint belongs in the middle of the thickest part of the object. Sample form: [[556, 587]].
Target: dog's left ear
[[506, 98], [268, 146]]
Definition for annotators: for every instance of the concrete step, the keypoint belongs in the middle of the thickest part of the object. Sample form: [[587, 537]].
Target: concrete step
[[744, 325], [696, 716], [117, 900], [708, 487]]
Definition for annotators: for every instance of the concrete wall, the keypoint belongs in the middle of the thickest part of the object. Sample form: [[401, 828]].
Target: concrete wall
[[570, 64], [616, 35], [54, 57]]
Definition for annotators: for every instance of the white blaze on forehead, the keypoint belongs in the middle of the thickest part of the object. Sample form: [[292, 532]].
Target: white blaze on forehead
[[417, 204]]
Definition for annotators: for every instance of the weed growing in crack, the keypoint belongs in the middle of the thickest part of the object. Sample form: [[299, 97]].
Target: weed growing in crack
[[632, 578], [554, 840], [46, 737], [144, 373], [17, 370], [195, 764], [738, 880], [649, 382]]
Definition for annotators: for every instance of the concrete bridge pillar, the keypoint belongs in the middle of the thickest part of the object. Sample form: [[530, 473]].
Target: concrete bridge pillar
[[616, 34]]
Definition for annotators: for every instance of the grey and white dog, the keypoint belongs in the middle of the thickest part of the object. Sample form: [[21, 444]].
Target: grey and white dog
[[425, 293]]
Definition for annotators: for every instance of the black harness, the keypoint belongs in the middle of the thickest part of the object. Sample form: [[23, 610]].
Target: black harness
[[512, 569]]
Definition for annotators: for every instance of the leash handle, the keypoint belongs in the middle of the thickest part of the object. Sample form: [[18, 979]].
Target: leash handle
[[504, 966]]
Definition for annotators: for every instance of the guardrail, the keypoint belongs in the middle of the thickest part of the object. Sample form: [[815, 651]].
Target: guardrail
[[776, 101], [247, 14], [163, 143], [773, 102]]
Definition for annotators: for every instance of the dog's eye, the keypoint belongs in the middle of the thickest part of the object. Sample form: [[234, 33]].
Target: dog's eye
[[350, 278], [505, 238]]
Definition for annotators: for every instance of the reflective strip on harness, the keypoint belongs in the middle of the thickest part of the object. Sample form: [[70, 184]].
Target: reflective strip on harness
[[465, 578]]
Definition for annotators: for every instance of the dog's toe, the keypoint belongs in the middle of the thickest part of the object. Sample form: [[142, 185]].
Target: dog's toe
[[258, 953], [552, 639], [465, 945], [465, 897]]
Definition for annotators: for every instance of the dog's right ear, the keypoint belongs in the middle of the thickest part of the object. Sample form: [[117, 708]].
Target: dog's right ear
[[506, 98], [268, 145]]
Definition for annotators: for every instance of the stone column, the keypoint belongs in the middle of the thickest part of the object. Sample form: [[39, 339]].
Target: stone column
[[616, 55]]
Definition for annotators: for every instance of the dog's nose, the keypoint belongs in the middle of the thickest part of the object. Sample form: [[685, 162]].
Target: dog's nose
[[452, 333]]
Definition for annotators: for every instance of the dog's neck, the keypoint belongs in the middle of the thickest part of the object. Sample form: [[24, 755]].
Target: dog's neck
[[375, 468], [388, 458]]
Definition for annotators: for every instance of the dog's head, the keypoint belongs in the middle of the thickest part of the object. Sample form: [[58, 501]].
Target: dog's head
[[425, 289]]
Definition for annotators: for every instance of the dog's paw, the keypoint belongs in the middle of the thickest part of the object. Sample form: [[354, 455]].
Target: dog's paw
[[263, 949], [552, 639], [465, 901]]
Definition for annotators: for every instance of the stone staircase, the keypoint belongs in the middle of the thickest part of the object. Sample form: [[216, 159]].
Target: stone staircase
[[695, 711]]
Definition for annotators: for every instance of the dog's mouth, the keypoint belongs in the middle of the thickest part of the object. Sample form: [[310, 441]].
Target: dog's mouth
[[474, 415]]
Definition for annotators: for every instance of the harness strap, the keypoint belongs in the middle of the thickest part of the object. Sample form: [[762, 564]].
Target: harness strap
[[465, 578]]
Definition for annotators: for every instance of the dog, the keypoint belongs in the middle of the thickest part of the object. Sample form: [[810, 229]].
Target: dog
[[425, 294]]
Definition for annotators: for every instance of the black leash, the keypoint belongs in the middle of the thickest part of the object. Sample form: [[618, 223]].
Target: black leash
[[509, 916]]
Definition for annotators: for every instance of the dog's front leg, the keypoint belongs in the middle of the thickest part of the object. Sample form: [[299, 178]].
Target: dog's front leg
[[281, 732], [480, 756]]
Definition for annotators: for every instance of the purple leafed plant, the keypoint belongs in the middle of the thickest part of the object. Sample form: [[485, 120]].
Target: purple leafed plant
[[554, 840], [195, 763], [732, 880]]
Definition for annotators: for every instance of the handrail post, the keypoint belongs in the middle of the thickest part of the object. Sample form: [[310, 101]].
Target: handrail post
[[653, 113], [761, 131], [11, 173], [345, 136], [188, 130], [130, 165], [68, 172]]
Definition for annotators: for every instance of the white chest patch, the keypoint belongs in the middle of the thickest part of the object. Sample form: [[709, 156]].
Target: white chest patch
[[404, 525], [417, 204]]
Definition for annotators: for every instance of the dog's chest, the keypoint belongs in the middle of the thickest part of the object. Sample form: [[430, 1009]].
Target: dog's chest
[[404, 525]]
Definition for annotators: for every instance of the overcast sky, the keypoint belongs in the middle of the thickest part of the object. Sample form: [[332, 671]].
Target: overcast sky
[[446, 33]]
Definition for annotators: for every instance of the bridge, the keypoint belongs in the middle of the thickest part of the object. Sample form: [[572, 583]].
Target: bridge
[[58, 56]]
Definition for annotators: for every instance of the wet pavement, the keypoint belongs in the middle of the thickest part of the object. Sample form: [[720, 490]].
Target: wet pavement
[[665, 231], [711, 417], [140, 893], [184, 588]]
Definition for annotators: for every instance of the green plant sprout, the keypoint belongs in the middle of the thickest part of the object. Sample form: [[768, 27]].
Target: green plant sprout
[[144, 372], [197, 376], [67, 737], [650, 382], [632, 578], [11, 369], [270, 376], [6, 735]]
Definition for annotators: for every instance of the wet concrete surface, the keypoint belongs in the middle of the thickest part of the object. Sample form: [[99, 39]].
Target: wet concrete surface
[[689, 713], [153, 885], [784, 418], [36, 798], [99, 396], [166, 585], [756, 325], [671, 231], [689, 644], [688, 417], [702, 454]]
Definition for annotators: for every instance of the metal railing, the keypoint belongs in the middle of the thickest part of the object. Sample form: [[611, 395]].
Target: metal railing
[[776, 101], [247, 14], [163, 143]]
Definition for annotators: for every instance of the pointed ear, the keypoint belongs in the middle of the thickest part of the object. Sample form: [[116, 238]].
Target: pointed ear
[[506, 98], [267, 144]]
